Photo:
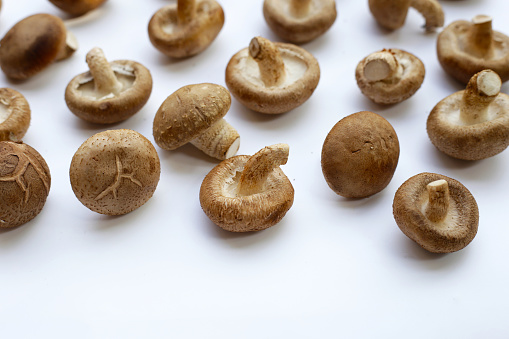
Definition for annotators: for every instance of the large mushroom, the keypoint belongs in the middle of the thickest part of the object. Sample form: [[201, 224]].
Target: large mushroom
[[272, 77], [33, 44], [194, 113], [186, 28], [390, 76], [472, 124], [391, 14], [111, 91], [14, 115], [248, 193], [437, 212], [77, 7], [299, 21], [465, 48]]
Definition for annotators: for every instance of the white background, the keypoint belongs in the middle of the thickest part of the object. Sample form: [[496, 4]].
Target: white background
[[331, 268]]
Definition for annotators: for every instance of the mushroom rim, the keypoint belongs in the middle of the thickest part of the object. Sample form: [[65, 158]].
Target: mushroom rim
[[16, 124]]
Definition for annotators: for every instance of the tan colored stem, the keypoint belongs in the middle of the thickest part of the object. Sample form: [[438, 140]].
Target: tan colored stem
[[480, 37], [186, 11], [481, 90], [431, 11], [438, 201], [71, 45], [220, 141], [380, 65], [104, 78], [299, 8], [259, 166], [270, 62]]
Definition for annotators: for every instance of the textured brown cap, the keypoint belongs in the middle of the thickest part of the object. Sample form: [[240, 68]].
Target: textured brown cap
[[14, 115], [77, 7], [451, 233]]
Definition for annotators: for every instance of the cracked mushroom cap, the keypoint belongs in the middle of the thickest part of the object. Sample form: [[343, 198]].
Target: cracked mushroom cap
[[272, 78], [248, 193], [33, 44], [391, 14], [299, 21], [437, 212], [114, 172], [465, 48], [14, 115], [77, 7], [25, 182], [111, 91], [186, 28], [472, 124], [389, 76]]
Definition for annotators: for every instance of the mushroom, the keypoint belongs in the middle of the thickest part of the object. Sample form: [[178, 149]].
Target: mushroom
[[114, 172], [33, 44], [272, 77], [389, 76], [360, 155], [14, 115], [465, 48], [437, 212], [299, 21], [25, 182], [111, 91], [248, 193], [194, 113], [391, 14], [187, 28], [77, 7], [472, 124]]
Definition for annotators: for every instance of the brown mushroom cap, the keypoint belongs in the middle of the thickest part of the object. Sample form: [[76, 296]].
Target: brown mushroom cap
[[77, 7], [85, 100], [453, 231], [32, 44], [14, 115], [262, 205], [465, 48], [391, 14], [301, 76], [456, 136], [299, 21], [186, 37], [389, 81], [25, 182], [360, 155], [114, 172]]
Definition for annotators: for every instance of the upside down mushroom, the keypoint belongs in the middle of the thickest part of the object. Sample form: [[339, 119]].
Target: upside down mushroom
[[14, 115]]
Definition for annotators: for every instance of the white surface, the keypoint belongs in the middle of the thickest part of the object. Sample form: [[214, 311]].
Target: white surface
[[331, 268]]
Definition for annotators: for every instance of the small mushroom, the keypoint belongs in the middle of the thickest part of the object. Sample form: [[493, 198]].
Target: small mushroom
[[248, 193], [194, 113], [25, 182], [111, 91], [437, 212], [271, 77], [77, 7], [114, 172], [33, 44], [299, 21], [186, 28], [14, 115], [465, 48], [391, 14], [472, 124], [389, 76], [360, 155]]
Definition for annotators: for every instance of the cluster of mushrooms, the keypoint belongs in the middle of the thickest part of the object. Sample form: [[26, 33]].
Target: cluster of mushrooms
[[116, 171]]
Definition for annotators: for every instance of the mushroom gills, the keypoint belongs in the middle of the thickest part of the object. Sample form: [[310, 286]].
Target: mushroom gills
[[302, 11], [171, 25], [124, 74]]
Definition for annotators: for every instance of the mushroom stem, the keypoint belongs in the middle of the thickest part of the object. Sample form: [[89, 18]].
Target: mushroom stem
[[220, 141], [481, 90], [259, 166], [438, 200], [71, 45], [431, 11], [299, 8], [480, 40], [186, 10], [380, 65], [104, 78], [270, 62]]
